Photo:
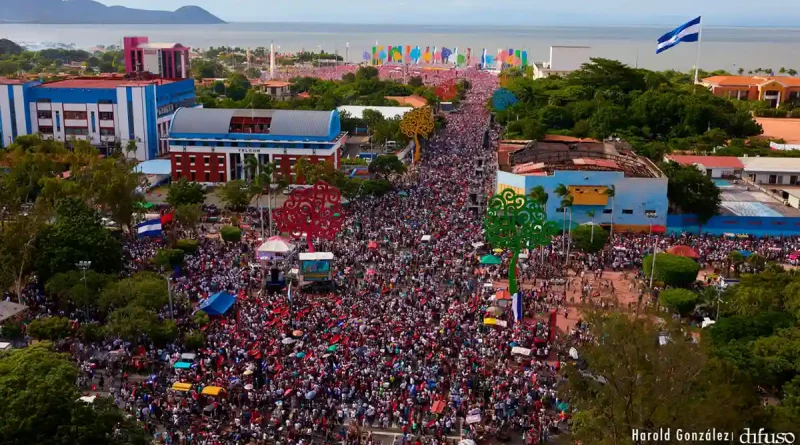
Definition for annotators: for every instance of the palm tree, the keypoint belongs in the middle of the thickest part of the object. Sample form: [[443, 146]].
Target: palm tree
[[757, 262], [567, 203], [251, 167], [735, 259], [591, 214], [611, 192], [782, 70], [792, 72], [539, 195], [562, 191], [740, 71], [262, 182]]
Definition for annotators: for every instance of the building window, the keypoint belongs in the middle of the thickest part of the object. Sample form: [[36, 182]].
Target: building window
[[191, 160], [773, 179], [46, 130], [80, 115], [194, 176], [76, 131], [58, 121], [606, 211], [94, 124], [106, 132], [178, 160], [206, 160], [627, 211], [560, 210], [44, 114], [105, 102], [650, 212], [43, 101], [106, 116], [208, 177]]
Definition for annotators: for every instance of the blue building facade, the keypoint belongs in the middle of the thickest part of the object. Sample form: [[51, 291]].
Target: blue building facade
[[639, 203], [104, 111]]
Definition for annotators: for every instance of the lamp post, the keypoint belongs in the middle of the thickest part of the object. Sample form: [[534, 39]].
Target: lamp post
[[83, 265], [651, 216]]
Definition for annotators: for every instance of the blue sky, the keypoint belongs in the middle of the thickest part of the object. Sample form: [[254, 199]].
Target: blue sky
[[490, 12]]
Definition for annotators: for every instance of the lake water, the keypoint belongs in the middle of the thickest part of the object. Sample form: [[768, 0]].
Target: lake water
[[722, 48]]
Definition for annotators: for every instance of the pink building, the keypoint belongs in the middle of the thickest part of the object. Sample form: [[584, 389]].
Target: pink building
[[167, 60]]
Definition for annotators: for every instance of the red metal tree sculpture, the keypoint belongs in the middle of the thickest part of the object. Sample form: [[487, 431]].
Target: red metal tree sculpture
[[315, 211], [447, 91]]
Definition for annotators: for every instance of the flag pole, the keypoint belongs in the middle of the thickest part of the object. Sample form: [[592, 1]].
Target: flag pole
[[697, 62]]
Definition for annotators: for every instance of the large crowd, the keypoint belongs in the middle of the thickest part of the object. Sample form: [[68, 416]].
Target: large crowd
[[399, 352]]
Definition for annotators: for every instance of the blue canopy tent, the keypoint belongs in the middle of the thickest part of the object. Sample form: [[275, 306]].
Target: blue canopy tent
[[218, 303]]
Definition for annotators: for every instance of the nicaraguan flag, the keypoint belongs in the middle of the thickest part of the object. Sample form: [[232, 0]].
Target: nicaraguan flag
[[149, 228], [688, 32], [516, 306], [483, 58], [290, 294]]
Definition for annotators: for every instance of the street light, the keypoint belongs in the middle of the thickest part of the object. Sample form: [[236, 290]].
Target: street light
[[651, 216], [83, 265]]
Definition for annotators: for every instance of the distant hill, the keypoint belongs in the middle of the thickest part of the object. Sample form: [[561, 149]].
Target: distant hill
[[7, 47], [92, 12]]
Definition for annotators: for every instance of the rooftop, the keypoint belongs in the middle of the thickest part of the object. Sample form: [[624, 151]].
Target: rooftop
[[549, 155], [708, 161], [732, 81], [274, 83], [103, 83], [161, 46], [778, 165], [411, 101], [780, 128], [357, 111], [740, 200], [7, 81], [216, 123]]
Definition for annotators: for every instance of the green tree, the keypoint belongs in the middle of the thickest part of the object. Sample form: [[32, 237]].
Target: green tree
[[194, 340], [672, 270], [387, 165], [691, 191], [238, 85], [415, 81], [208, 69], [116, 189], [38, 395], [184, 192], [235, 194], [678, 301], [188, 246], [71, 288], [169, 258], [75, 235], [50, 328], [144, 289], [539, 195], [188, 215], [589, 239], [231, 234], [635, 381], [253, 73], [18, 240], [133, 322]]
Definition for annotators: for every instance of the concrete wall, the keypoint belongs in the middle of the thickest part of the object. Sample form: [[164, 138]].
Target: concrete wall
[[634, 195]]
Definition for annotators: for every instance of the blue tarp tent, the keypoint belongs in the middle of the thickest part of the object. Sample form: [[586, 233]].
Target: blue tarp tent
[[218, 303]]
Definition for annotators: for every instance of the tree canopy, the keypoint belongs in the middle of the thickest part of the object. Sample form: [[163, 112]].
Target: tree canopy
[[608, 98], [690, 191], [672, 270]]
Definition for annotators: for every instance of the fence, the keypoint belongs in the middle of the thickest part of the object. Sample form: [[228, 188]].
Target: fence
[[751, 225]]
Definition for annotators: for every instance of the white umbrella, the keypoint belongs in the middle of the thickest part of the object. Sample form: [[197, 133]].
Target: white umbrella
[[276, 244], [573, 353], [288, 341]]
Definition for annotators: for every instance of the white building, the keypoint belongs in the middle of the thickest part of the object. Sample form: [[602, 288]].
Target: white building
[[563, 60], [779, 171]]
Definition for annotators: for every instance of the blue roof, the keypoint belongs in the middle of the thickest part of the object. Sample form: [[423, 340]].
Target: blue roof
[[155, 167], [214, 123], [218, 303]]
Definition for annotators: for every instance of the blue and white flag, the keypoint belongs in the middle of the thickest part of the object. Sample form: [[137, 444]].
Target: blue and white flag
[[483, 59], [149, 228], [688, 32], [290, 294], [516, 306]]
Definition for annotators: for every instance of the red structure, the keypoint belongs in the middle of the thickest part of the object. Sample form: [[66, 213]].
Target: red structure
[[315, 211]]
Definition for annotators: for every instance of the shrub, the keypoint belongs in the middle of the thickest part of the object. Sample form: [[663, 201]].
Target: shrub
[[354, 161], [188, 246], [672, 270], [582, 238], [91, 332], [231, 234], [680, 301], [11, 329], [194, 340], [200, 318], [50, 328]]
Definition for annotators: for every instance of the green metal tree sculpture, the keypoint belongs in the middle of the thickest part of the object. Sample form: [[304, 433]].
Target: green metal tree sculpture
[[514, 222]]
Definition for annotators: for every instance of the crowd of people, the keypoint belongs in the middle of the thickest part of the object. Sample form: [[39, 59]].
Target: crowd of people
[[400, 352]]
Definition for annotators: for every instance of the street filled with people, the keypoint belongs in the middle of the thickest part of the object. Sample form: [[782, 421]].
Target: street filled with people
[[399, 350]]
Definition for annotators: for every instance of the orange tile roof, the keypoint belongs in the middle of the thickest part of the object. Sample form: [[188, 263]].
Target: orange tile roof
[[411, 101], [731, 81], [561, 138], [304, 95], [780, 128], [276, 83]]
